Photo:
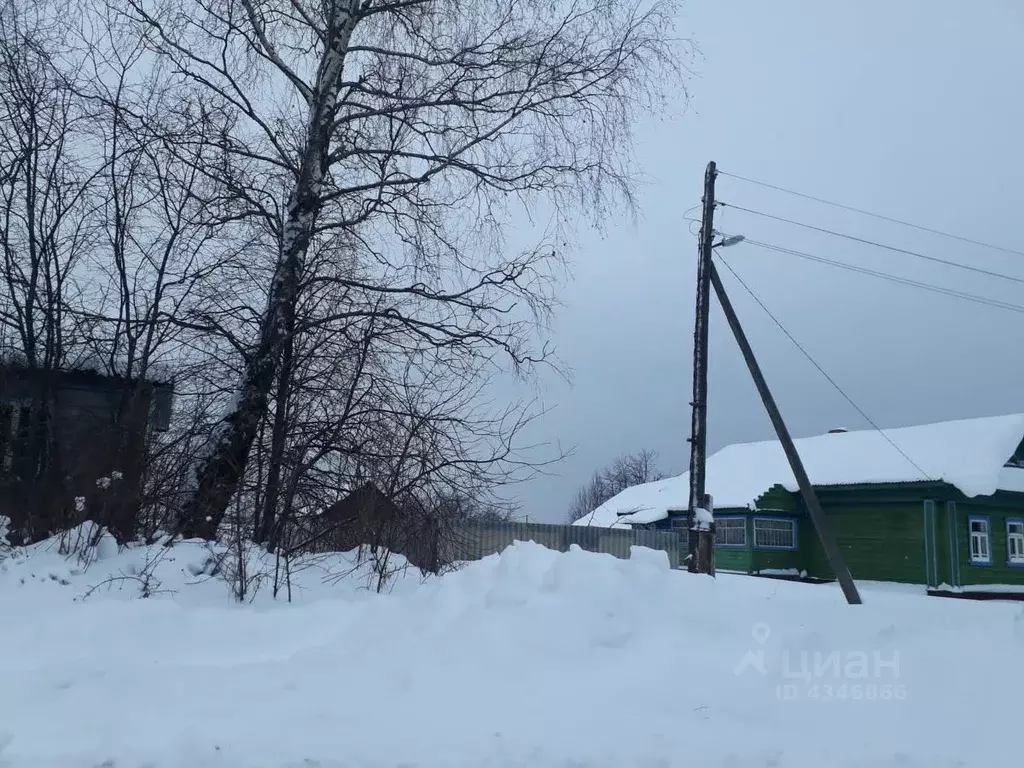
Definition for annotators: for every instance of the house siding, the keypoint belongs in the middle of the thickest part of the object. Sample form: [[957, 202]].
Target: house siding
[[879, 542], [777, 560], [731, 558], [881, 532], [916, 534], [771, 558], [997, 510], [60, 433], [913, 533], [752, 559]]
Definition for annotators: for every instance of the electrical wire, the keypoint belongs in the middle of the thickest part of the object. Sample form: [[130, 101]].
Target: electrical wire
[[975, 298], [693, 221], [821, 370], [864, 241], [873, 215]]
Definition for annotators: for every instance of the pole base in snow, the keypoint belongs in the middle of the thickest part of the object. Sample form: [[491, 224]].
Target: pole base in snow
[[706, 552]]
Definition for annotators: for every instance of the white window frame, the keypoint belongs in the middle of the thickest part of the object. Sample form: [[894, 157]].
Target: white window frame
[[1015, 541], [729, 523], [980, 539], [773, 536]]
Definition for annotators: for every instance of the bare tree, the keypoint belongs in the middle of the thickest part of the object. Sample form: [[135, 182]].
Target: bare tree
[[43, 223], [152, 252], [311, 199], [412, 127], [626, 471], [45, 231]]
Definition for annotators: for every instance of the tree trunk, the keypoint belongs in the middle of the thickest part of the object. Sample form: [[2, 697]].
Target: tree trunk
[[217, 478], [218, 475], [267, 532]]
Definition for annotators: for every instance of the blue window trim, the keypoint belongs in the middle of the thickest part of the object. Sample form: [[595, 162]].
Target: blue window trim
[[719, 518], [987, 519], [791, 520], [1009, 562]]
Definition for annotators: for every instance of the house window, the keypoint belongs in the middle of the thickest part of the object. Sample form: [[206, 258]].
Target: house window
[[981, 551], [1015, 541], [730, 532], [678, 519], [774, 533]]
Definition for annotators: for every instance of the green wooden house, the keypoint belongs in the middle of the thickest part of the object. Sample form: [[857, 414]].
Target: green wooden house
[[940, 505]]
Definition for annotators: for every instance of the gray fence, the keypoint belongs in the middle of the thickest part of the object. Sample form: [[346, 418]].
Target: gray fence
[[476, 540]]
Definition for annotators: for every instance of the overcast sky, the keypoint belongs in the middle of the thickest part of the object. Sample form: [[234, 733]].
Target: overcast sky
[[912, 109]]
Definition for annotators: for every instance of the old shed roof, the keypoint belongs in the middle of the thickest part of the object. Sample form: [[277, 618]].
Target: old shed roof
[[969, 454]]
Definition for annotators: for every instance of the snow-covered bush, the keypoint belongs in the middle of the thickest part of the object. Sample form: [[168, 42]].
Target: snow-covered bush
[[88, 543], [5, 545]]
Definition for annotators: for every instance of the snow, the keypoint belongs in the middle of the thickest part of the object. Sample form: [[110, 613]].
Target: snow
[[995, 589], [531, 658], [1011, 479], [781, 572], [969, 454], [642, 503]]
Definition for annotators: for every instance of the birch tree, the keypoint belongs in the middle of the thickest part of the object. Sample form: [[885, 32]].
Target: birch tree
[[415, 127]]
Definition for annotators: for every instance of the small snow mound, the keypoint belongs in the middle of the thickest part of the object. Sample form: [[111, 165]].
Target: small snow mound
[[519, 569], [88, 559], [89, 541], [653, 558], [205, 565], [106, 547], [887, 633], [811, 640], [578, 571], [522, 560], [1018, 627]]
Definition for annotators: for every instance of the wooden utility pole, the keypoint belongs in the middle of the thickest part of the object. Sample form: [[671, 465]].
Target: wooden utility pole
[[700, 542], [810, 498]]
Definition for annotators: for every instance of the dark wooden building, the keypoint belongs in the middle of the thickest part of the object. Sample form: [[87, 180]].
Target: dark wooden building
[[368, 517], [72, 444]]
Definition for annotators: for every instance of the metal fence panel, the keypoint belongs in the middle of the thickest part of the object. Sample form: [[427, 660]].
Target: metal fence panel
[[476, 540]]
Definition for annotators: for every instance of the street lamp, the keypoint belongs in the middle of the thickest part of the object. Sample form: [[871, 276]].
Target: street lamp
[[728, 241]]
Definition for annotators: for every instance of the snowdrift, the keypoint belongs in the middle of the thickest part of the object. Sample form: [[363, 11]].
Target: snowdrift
[[530, 658]]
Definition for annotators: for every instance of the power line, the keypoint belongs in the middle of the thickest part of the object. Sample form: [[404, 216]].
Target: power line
[[864, 241], [821, 370], [984, 300], [873, 215]]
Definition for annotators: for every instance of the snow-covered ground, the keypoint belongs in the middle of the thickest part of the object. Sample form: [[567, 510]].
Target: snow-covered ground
[[530, 658]]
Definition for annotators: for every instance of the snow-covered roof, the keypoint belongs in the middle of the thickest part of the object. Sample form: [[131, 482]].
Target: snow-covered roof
[[969, 454]]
